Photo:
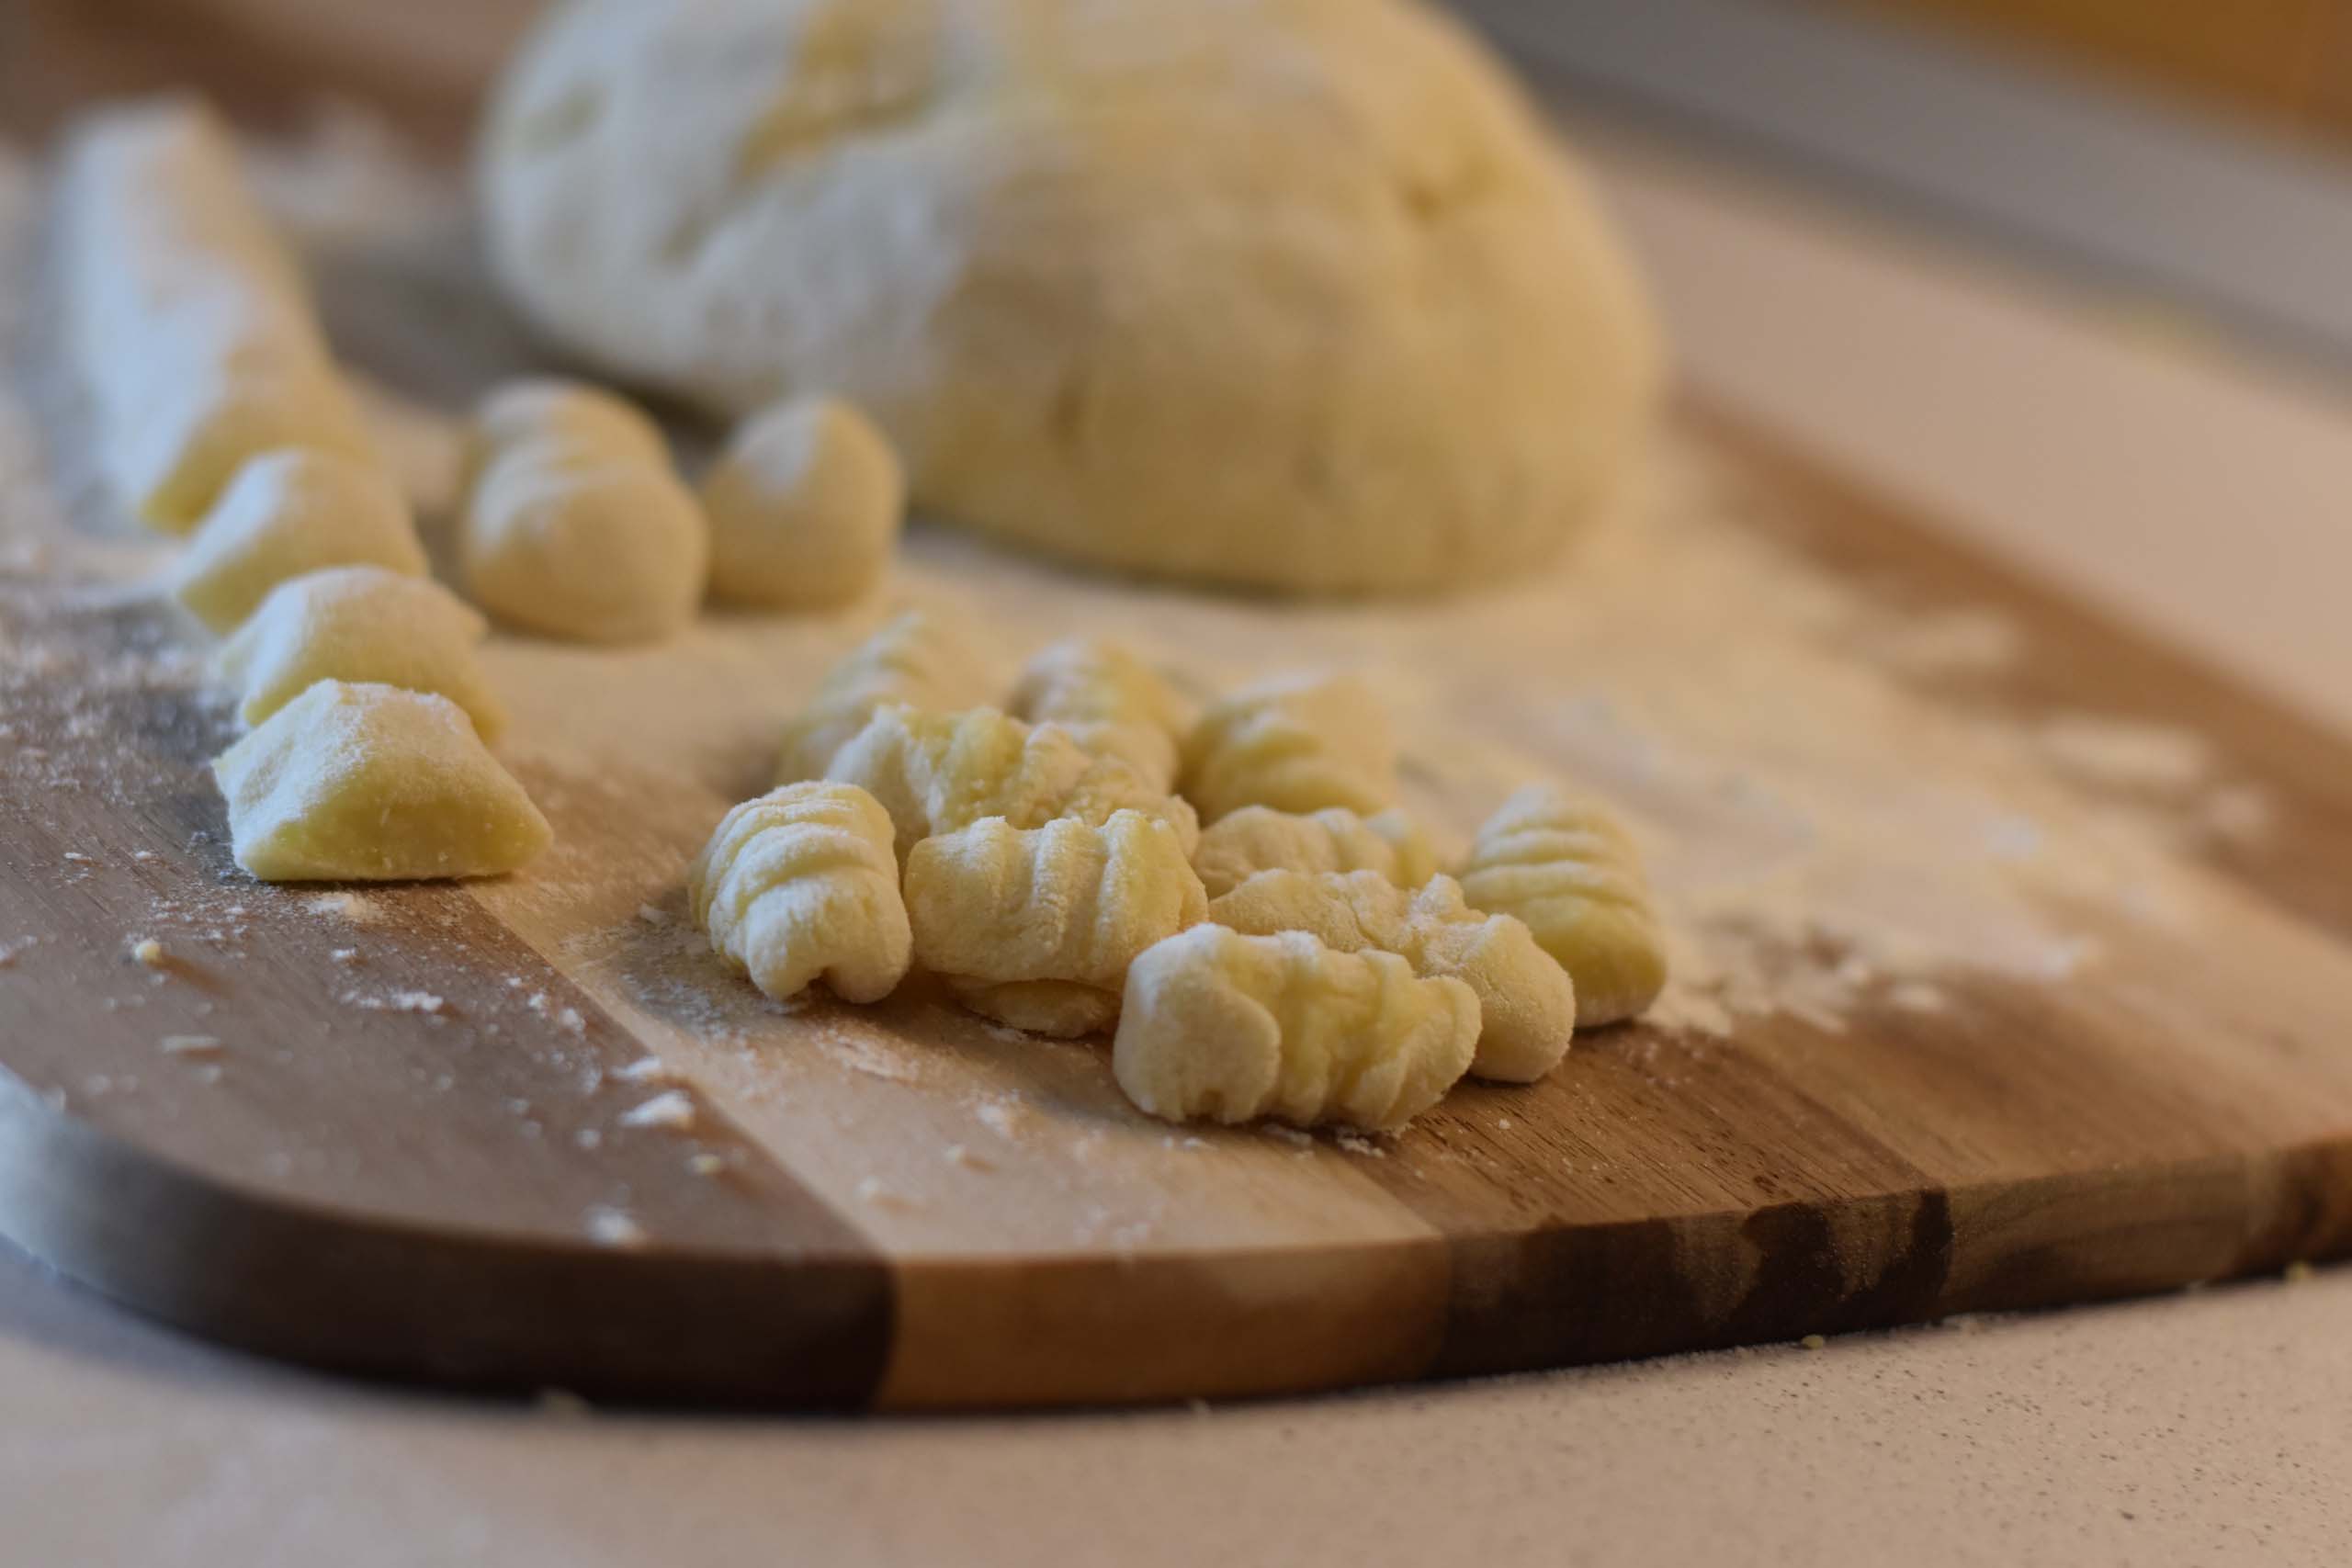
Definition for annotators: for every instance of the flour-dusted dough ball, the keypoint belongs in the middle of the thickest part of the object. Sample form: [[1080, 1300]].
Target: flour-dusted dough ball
[[550, 410], [804, 505], [1293, 293], [357, 782], [290, 512], [360, 624], [578, 542]]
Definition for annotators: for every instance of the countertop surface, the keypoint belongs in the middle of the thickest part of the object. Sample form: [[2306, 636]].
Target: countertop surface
[[2145, 465]]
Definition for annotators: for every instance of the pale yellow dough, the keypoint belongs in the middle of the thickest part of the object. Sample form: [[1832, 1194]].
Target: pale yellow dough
[[1527, 1004], [1112, 703], [1036, 927], [1230, 1028], [1237, 846], [359, 783], [360, 624], [800, 886], [1564, 866], [920, 658], [551, 411], [805, 506], [286, 513], [1296, 743]]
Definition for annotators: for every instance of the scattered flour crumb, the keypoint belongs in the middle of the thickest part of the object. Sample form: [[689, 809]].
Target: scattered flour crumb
[[588, 1137], [1919, 996], [344, 955], [2298, 1272], [651, 916], [874, 1191], [1290, 1135], [863, 1056], [395, 1001], [188, 1044], [1005, 1032], [347, 906], [1502, 1124], [1814, 1342], [672, 1111], [571, 1022], [704, 1163], [1357, 1143], [209, 1073], [961, 1153], [78, 857], [150, 951], [614, 1228], [645, 1069], [143, 856], [1002, 1117]]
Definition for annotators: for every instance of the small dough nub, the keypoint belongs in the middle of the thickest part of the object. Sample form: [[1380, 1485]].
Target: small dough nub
[[1112, 703], [1297, 744], [1240, 844], [286, 513], [360, 624], [1565, 867], [800, 886], [1036, 927], [361, 783], [1230, 1028], [805, 506]]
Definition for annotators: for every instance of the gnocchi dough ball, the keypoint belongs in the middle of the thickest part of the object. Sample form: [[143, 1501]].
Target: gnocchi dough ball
[[289, 513], [1565, 867], [1229, 1028], [1237, 846], [1112, 703], [363, 783], [800, 886], [580, 542], [805, 506], [1527, 1005], [546, 409], [360, 624], [1300, 744], [1296, 294], [921, 659], [1035, 927]]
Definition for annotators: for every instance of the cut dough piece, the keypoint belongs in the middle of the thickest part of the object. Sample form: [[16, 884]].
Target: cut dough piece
[[1298, 743], [805, 506], [372, 784], [1112, 703], [1036, 927], [918, 658], [800, 886], [935, 772], [1258, 838], [188, 321], [1527, 1005], [289, 513], [583, 542], [1565, 867], [551, 411], [1293, 293], [1232, 1028], [360, 624]]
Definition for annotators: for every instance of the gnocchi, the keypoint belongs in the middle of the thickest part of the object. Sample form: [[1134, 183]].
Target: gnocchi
[[1240, 844], [1219, 1025], [799, 886], [354, 782], [1035, 927], [1527, 1005], [286, 514], [935, 772], [1566, 868], [1299, 744], [359, 623], [805, 506], [1112, 703], [574, 530], [546, 409], [916, 658]]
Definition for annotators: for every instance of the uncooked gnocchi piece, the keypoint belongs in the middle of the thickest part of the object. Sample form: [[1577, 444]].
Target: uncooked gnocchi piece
[[916, 658], [805, 506], [187, 319], [584, 541], [1237, 846], [361, 783], [935, 772], [550, 411], [1565, 867], [1230, 1028], [360, 624], [1297, 744], [286, 514], [1527, 1005], [799, 886], [1035, 927], [1112, 703]]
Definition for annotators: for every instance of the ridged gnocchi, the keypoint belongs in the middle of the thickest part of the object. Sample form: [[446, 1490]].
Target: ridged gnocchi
[[1527, 1005], [916, 658], [1566, 868], [1240, 844], [287, 512], [1231, 1027], [1036, 927], [935, 772], [1112, 703], [359, 622], [799, 886], [1296, 744]]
